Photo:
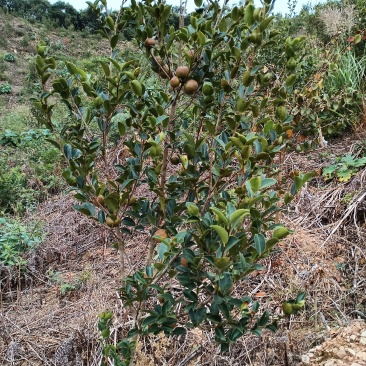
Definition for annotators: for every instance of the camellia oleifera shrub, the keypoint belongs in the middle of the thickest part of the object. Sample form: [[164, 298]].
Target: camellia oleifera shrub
[[204, 143]]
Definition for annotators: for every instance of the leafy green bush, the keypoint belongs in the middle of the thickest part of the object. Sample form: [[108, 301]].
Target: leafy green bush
[[9, 57], [29, 170], [14, 195], [5, 88], [17, 239], [203, 140]]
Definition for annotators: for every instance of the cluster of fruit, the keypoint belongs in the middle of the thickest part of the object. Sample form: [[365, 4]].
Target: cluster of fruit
[[181, 74], [112, 220]]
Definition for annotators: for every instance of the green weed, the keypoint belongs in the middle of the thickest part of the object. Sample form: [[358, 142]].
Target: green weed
[[5, 88], [344, 167], [17, 239]]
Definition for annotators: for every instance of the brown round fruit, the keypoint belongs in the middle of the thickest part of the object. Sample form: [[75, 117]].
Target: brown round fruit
[[183, 262], [191, 53], [182, 72], [174, 82], [150, 42], [162, 233], [191, 86], [175, 160]]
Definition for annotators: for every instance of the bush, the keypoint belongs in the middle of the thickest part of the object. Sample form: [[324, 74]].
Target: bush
[[203, 142], [29, 170], [16, 239], [9, 57], [5, 88]]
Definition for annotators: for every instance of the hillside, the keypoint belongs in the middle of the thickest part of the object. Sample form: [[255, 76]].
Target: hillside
[[59, 269]]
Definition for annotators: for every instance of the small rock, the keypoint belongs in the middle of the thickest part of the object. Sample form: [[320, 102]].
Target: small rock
[[305, 359], [355, 364], [350, 351], [310, 354], [361, 355], [341, 353], [363, 340], [329, 363], [353, 337], [363, 333]]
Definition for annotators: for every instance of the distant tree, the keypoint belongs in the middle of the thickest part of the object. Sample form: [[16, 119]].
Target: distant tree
[[38, 10], [64, 14], [88, 20]]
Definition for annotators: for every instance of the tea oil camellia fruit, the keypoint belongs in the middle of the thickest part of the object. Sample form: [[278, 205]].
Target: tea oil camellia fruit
[[150, 42], [182, 72], [190, 87], [174, 82], [207, 89], [162, 233]]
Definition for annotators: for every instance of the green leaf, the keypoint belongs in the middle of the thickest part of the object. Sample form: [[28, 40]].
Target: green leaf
[[110, 23], [300, 296], [201, 38], [221, 218], [149, 320], [290, 80], [255, 183], [358, 38], [115, 63], [344, 175], [162, 119], [263, 319], [179, 331], [111, 203], [73, 70], [225, 284], [219, 334], [265, 23], [267, 182], [238, 216], [271, 243], [162, 249], [114, 41], [159, 266], [166, 13], [280, 232], [86, 209], [223, 234], [223, 25], [259, 243]]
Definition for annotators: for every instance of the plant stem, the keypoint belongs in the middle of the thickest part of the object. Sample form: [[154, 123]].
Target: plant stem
[[166, 149], [122, 253]]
